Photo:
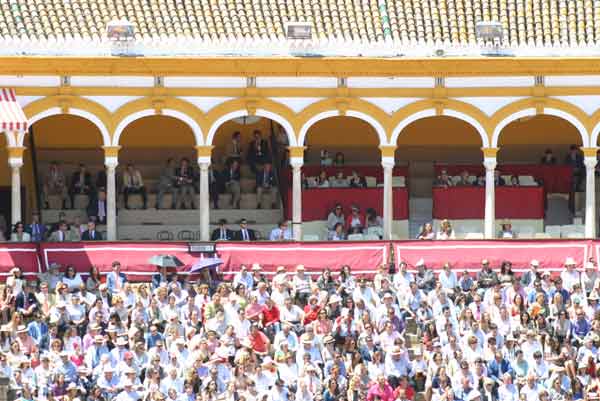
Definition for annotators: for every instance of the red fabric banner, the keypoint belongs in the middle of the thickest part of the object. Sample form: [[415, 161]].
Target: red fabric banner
[[557, 179], [469, 203], [362, 257], [467, 255], [23, 255], [318, 202], [132, 255]]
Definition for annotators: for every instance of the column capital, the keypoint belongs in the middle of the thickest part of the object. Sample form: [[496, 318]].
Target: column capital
[[204, 154], [296, 151], [590, 162], [490, 152], [490, 163], [387, 162], [111, 151], [15, 156], [296, 162], [387, 151], [590, 152]]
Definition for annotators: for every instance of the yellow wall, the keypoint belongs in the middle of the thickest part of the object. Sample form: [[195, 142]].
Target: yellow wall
[[66, 131], [156, 132], [435, 131], [540, 130]]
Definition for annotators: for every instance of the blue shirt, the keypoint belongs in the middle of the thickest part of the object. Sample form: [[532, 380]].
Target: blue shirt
[[277, 233]]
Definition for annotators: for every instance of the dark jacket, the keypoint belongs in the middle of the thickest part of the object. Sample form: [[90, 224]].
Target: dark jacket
[[87, 236], [216, 234], [251, 234]]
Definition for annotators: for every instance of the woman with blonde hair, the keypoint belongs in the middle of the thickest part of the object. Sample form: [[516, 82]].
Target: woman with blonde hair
[[446, 232]]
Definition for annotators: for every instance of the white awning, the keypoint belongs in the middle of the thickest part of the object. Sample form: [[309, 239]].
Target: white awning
[[12, 117]]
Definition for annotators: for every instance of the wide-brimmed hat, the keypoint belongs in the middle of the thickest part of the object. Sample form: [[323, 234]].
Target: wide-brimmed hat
[[21, 329], [570, 261], [534, 262]]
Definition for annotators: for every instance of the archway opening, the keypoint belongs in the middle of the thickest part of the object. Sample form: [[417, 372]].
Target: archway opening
[[527, 139], [343, 173], [60, 145], [538, 147], [431, 146]]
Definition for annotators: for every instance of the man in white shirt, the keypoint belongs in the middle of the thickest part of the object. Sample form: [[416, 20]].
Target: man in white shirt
[[530, 391], [286, 335], [570, 276], [507, 391], [281, 232]]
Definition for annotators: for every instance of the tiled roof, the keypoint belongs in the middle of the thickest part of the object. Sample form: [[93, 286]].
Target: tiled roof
[[534, 23]]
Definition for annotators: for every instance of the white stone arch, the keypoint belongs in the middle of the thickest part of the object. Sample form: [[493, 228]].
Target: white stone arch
[[350, 113], [10, 139], [195, 127], [530, 112], [446, 112], [54, 111], [289, 130]]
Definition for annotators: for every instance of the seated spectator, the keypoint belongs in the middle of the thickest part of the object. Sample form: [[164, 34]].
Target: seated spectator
[[443, 180], [427, 232], [355, 222], [335, 216], [339, 181], [506, 230], [446, 231], [91, 234], [233, 150], [325, 158], [72, 279], [222, 233], [55, 184], [245, 233], [339, 159], [81, 183], [258, 151], [498, 180], [166, 184], [479, 181], [63, 234], [372, 219], [19, 234], [133, 184], [231, 180], [76, 228], [265, 181], [281, 232], [184, 184], [337, 234], [322, 181], [356, 180], [514, 181], [548, 158], [97, 207], [36, 230], [464, 180]]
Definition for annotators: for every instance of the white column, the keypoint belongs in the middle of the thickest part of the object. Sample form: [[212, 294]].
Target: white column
[[16, 164], [296, 163], [490, 197], [590, 196], [204, 163], [388, 216], [111, 164]]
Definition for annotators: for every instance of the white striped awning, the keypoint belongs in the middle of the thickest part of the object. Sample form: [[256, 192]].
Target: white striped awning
[[12, 117]]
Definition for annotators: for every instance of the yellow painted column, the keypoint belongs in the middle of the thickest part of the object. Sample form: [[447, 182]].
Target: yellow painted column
[[111, 161], [489, 162], [15, 161], [590, 159], [387, 162], [297, 161], [204, 159]]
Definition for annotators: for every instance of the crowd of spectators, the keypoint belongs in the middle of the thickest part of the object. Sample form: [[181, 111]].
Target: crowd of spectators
[[432, 336]]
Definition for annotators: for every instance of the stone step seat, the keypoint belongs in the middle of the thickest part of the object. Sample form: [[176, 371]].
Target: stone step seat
[[174, 217], [177, 232]]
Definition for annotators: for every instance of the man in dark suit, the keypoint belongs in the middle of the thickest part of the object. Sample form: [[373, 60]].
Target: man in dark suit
[[222, 233], [258, 152], [265, 181], [184, 183], [36, 229], [25, 301], [97, 207], [91, 234], [231, 180], [81, 183], [245, 233]]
